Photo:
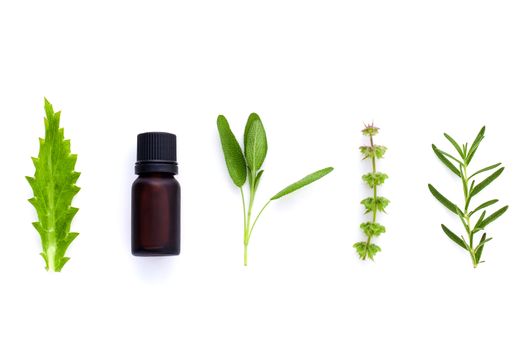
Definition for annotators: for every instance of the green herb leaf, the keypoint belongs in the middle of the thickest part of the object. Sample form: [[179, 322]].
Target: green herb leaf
[[247, 165], [477, 227], [54, 186], [490, 219], [255, 143], [372, 229], [483, 206], [258, 179], [479, 187], [361, 249], [441, 155], [479, 249], [454, 237], [303, 182], [365, 250], [370, 130], [475, 145], [470, 190], [375, 204], [484, 169], [375, 179], [448, 204], [232, 152], [455, 144], [375, 151]]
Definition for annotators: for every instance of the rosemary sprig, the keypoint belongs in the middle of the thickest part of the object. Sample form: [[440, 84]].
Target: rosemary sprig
[[459, 166], [374, 204]]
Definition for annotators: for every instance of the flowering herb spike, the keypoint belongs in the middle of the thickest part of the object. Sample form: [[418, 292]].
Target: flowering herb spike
[[54, 188], [248, 165], [374, 204], [459, 166]]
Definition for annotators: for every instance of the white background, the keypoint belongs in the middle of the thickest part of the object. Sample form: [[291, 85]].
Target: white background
[[314, 72]]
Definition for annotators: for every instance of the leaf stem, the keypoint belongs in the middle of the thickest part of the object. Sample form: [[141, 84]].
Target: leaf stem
[[248, 218], [245, 254], [257, 218], [243, 208], [467, 195], [374, 211]]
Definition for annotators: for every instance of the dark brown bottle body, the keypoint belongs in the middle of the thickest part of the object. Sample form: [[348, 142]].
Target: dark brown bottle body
[[155, 213], [155, 196]]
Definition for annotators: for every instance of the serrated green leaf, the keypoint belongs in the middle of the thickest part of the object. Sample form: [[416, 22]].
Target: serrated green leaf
[[375, 204], [455, 238], [54, 186], [448, 204], [303, 182], [375, 179], [366, 251], [441, 156], [373, 250], [370, 130], [479, 187], [255, 143], [232, 152], [372, 229], [375, 151], [361, 250]]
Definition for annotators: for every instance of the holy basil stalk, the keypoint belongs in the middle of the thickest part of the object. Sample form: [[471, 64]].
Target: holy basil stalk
[[459, 166], [247, 165], [54, 188], [374, 204]]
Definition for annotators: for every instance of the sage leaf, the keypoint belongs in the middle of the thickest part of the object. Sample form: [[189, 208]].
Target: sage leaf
[[305, 181], [255, 143], [232, 152], [258, 179]]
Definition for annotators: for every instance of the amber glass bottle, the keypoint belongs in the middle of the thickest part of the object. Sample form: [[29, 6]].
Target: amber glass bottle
[[155, 197]]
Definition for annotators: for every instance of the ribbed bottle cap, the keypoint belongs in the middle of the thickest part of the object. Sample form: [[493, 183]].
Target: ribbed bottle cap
[[156, 152]]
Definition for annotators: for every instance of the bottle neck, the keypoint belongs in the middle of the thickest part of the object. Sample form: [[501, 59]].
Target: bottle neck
[[157, 175], [146, 167]]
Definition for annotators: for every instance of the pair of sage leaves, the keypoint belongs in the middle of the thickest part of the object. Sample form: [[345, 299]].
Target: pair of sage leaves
[[245, 169]]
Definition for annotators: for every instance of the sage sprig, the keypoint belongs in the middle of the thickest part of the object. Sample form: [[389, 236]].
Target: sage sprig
[[459, 165], [375, 203], [247, 166]]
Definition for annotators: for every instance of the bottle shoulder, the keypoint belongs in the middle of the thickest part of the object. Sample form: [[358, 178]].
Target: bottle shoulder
[[153, 180]]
